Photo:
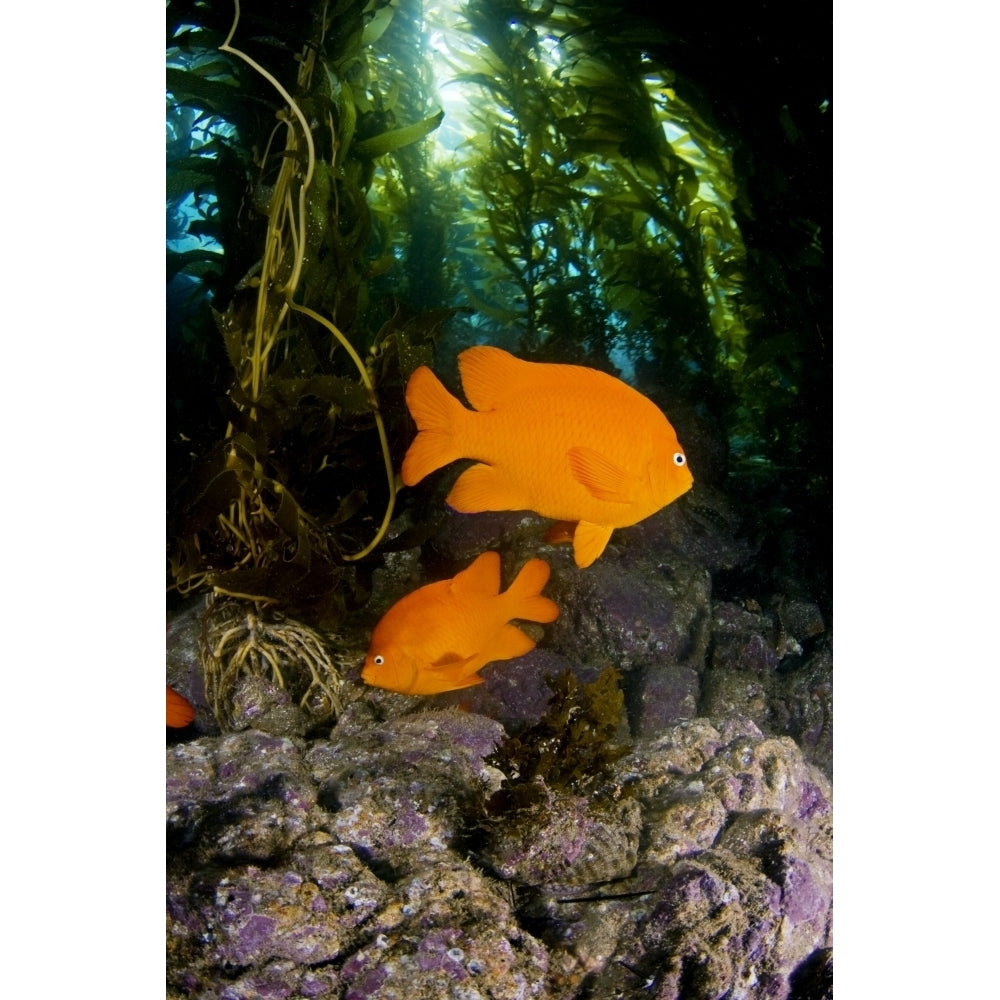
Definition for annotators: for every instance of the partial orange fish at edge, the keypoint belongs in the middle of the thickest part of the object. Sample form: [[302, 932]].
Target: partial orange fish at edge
[[180, 712]]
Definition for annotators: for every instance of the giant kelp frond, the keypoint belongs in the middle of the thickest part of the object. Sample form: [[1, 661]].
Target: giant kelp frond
[[415, 202], [606, 219]]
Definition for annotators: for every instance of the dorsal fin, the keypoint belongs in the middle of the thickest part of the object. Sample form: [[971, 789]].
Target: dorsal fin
[[482, 577], [489, 374]]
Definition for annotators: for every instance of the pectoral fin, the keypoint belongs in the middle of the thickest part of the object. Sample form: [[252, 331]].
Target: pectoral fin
[[456, 683], [600, 476], [451, 661], [450, 673]]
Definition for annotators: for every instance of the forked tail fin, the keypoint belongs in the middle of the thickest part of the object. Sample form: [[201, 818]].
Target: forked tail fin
[[439, 417], [525, 594]]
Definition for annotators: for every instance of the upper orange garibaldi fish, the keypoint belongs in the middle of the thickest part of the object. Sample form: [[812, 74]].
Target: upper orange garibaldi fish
[[566, 442], [438, 637]]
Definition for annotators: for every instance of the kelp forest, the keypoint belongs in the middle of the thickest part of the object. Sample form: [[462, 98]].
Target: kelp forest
[[359, 187]]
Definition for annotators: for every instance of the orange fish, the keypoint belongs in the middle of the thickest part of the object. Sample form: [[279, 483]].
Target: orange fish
[[567, 442], [180, 713], [438, 638], [560, 532]]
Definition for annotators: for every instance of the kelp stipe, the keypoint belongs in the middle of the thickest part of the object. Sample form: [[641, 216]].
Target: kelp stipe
[[277, 511]]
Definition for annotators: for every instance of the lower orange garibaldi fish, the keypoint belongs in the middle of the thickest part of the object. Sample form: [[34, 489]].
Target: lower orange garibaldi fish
[[567, 442], [439, 637]]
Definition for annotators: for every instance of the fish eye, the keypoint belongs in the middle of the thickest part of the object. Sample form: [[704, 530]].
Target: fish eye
[[378, 660], [679, 459]]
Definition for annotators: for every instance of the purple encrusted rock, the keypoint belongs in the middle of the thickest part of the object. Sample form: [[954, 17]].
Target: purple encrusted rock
[[514, 692], [702, 526], [403, 788], [248, 917], [461, 537], [275, 981], [565, 840], [737, 860], [742, 639], [184, 668], [803, 707], [340, 867], [245, 795], [668, 692], [450, 932], [261, 703], [632, 610]]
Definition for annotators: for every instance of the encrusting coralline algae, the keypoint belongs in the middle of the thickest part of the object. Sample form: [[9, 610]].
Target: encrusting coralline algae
[[348, 868], [362, 861]]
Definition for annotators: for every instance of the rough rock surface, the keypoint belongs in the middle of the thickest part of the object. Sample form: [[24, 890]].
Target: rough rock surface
[[361, 859], [358, 866], [775, 667], [646, 607]]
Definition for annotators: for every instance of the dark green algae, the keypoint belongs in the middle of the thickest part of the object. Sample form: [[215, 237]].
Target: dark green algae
[[571, 748]]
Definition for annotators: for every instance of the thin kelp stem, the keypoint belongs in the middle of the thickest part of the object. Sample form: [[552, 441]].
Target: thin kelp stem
[[247, 532], [363, 372], [273, 244], [283, 217], [307, 134]]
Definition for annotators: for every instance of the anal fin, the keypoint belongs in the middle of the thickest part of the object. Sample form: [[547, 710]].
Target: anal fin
[[510, 642], [483, 488]]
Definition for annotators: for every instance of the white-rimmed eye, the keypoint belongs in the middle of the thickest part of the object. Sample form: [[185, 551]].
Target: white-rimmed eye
[[378, 660], [679, 459]]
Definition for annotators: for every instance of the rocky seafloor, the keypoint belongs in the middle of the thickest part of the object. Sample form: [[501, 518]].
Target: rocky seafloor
[[366, 857]]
